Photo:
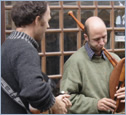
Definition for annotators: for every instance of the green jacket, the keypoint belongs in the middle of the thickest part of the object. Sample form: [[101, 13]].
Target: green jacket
[[87, 81]]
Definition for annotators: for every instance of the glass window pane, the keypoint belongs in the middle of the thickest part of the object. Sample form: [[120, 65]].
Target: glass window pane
[[9, 23], [55, 84], [39, 48], [119, 36], [82, 38], [7, 35], [119, 18], [52, 65], [119, 40], [66, 58], [8, 3], [119, 3], [103, 3], [51, 3], [69, 2], [107, 46], [70, 41], [86, 14], [54, 22], [69, 22], [52, 42], [105, 16], [119, 45], [87, 3], [121, 54]]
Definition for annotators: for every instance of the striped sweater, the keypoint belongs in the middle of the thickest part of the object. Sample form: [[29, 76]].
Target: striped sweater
[[21, 69]]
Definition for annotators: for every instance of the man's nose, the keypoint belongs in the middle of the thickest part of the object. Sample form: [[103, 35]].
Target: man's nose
[[102, 42], [48, 26]]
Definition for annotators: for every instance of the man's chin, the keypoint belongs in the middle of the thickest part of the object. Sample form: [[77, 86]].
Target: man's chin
[[38, 39], [100, 49]]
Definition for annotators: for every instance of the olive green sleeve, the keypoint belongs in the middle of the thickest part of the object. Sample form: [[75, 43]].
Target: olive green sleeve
[[71, 83]]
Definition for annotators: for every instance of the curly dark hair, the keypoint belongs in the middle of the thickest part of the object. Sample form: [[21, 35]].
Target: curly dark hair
[[24, 12]]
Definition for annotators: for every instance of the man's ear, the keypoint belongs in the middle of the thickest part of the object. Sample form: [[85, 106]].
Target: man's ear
[[37, 20], [85, 37]]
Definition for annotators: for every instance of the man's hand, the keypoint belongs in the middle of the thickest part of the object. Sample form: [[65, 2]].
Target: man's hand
[[106, 104], [120, 94], [61, 104], [36, 111]]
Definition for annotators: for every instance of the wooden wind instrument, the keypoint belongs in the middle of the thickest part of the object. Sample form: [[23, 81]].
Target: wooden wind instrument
[[111, 59], [117, 77]]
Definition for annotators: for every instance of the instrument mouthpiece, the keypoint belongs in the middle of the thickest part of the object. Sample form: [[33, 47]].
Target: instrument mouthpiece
[[103, 48], [70, 12]]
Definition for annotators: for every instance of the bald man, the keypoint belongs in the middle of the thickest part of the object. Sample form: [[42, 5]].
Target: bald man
[[86, 73]]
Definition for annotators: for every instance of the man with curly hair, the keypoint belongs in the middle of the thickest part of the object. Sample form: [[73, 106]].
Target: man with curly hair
[[20, 64]]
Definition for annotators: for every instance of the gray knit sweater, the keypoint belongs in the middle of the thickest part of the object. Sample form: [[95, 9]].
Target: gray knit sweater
[[20, 68]]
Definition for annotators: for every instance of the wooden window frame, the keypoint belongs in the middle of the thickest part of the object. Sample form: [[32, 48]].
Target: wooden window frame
[[61, 30]]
